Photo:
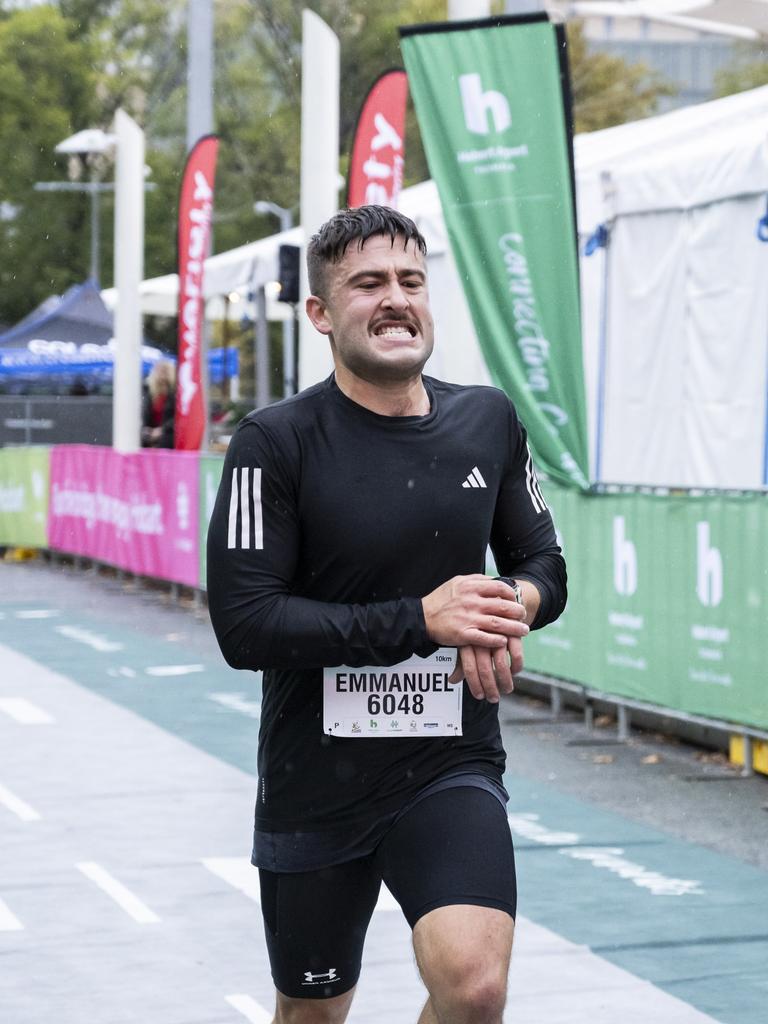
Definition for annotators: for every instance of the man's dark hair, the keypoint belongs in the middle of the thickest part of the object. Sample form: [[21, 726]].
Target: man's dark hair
[[358, 225]]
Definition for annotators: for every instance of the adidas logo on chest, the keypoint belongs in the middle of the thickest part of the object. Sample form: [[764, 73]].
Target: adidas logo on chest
[[475, 479]]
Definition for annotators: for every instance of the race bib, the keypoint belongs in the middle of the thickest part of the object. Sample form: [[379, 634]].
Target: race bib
[[413, 698]]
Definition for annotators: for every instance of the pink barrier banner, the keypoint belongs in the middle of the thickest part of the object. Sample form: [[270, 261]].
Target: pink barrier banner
[[138, 512]]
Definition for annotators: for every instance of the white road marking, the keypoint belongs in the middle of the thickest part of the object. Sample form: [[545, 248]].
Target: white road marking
[[94, 640], [8, 921], [173, 670], [17, 805], [124, 898], [238, 702], [37, 613], [608, 858], [611, 858], [237, 872], [250, 1009], [242, 875], [124, 671], [24, 711]]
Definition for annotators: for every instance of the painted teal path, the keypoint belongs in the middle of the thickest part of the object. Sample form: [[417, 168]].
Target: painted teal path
[[691, 921]]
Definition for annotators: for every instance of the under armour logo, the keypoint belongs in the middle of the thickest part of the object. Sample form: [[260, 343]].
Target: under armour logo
[[329, 975], [475, 479]]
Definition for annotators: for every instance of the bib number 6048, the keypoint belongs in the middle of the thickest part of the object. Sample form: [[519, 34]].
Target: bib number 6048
[[390, 705]]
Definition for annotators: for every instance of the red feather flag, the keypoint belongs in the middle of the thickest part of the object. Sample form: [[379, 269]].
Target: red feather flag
[[378, 151], [195, 216]]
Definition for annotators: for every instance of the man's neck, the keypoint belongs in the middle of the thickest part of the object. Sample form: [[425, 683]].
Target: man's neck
[[391, 398]]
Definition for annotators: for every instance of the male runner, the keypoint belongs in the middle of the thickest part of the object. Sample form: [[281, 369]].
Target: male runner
[[346, 556]]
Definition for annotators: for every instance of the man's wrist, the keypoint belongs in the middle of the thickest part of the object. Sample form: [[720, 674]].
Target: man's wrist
[[525, 593], [517, 590]]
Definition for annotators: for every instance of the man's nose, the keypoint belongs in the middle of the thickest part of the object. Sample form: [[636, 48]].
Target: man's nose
[[395, 297]]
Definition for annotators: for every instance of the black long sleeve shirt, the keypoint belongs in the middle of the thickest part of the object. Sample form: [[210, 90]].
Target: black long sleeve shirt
[[331, 524]]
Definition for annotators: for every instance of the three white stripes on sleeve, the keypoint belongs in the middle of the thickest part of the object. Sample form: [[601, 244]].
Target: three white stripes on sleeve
[[246, 486]]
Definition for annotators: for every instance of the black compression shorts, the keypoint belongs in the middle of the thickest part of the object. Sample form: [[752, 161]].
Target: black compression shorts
[[453, 847]]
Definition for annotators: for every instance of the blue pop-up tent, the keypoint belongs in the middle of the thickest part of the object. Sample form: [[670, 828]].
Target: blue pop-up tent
[[72, 336]]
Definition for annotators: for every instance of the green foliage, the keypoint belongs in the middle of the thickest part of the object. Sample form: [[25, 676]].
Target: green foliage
[[747, 70], [47, 91], [606, 89]]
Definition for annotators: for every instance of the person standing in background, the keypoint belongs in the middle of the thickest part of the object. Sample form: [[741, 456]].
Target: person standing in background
[[159, 406]]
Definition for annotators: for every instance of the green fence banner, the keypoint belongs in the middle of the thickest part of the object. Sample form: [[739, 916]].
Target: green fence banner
[[490, 105], [210, 475], [24, 477], [668, 600]]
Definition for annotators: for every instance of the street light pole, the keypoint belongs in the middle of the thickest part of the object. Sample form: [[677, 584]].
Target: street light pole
[[285, 216], [95, 232]]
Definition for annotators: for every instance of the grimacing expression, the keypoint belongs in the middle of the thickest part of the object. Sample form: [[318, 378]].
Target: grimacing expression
[[377, 310]]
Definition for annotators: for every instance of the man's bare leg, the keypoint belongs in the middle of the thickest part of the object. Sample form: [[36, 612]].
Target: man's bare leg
[[463, 955], [313, 1011]]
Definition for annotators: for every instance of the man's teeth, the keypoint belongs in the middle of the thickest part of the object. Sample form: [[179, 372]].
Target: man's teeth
[[393, 332]]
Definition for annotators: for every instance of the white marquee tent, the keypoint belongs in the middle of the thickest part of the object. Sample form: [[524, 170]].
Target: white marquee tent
[[675, 309]]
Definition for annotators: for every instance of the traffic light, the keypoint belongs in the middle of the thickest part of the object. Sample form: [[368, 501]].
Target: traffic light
[[288, 273]]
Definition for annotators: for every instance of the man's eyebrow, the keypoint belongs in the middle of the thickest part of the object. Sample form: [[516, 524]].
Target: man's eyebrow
[[380, 275]]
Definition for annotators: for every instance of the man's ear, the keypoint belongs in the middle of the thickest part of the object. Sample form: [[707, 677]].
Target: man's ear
[[317, 312]]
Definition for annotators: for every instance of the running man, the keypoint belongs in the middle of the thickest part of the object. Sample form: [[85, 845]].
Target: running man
[[345, 560]]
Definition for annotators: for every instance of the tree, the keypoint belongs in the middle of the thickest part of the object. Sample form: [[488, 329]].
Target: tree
[[748, 69], [46, 93], [607, 90]]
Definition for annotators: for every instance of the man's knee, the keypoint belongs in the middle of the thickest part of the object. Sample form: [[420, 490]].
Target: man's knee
[[473, 992]]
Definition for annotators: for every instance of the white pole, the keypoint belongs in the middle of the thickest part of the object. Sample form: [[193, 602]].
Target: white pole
[[199, 70], [129, 271], [319, 170]]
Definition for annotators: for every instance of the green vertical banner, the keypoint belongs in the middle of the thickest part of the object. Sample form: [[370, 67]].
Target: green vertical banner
[[210, 476], [24, 474], [490, 104]]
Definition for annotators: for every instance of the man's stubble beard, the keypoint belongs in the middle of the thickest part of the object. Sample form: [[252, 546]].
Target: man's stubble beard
[[375, 371]]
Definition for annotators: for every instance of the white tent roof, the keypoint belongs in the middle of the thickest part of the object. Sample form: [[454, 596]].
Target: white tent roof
[[235, 272], [704, 148], [745, 19]]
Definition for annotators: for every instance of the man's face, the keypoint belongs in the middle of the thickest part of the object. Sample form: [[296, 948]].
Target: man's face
[[377, 310]]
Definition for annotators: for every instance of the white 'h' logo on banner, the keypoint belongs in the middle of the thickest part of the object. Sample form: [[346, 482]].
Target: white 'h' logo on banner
[[624, 559], [709, 568], [478, 104]]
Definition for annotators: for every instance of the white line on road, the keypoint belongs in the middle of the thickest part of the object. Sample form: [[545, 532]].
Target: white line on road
[[241, 874], [125, 671], [250, 1009], [17, 805], [237, 872], [24, 711], [94, 640], [8, 921], [37, 613], [131, 904], [609, 858], [173, 670], [238, 702]]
